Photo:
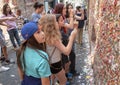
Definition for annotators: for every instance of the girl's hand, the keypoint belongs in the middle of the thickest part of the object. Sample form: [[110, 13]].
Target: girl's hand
[[71, 13], [9, 26], [11, 18]]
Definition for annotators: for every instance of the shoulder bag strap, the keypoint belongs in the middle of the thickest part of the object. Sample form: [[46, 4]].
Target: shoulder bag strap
[[42, 55]]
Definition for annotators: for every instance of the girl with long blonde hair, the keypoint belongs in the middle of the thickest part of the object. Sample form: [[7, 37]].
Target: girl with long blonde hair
[[54, 46]]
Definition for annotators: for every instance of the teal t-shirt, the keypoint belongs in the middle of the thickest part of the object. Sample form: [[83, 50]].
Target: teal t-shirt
[[35, 65]]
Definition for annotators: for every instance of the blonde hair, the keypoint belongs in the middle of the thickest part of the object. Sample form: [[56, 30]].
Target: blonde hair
[[50, 28]]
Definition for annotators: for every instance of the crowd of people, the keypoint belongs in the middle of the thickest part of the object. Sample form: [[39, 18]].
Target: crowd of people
[[47, 53]]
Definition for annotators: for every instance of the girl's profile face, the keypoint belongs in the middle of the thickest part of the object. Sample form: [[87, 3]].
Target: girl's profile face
[[8, 8], [61, 21], [39, 36], [64, 11], [41, 9], [69, 8]]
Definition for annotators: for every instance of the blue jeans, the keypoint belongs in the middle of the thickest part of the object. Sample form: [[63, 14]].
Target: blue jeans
[[2, 39], [13, 33]]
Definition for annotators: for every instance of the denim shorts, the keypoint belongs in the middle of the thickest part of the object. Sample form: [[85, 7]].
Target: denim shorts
[[2, 39]]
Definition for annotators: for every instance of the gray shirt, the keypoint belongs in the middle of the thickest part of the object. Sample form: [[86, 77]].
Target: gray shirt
[[53, 56]]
